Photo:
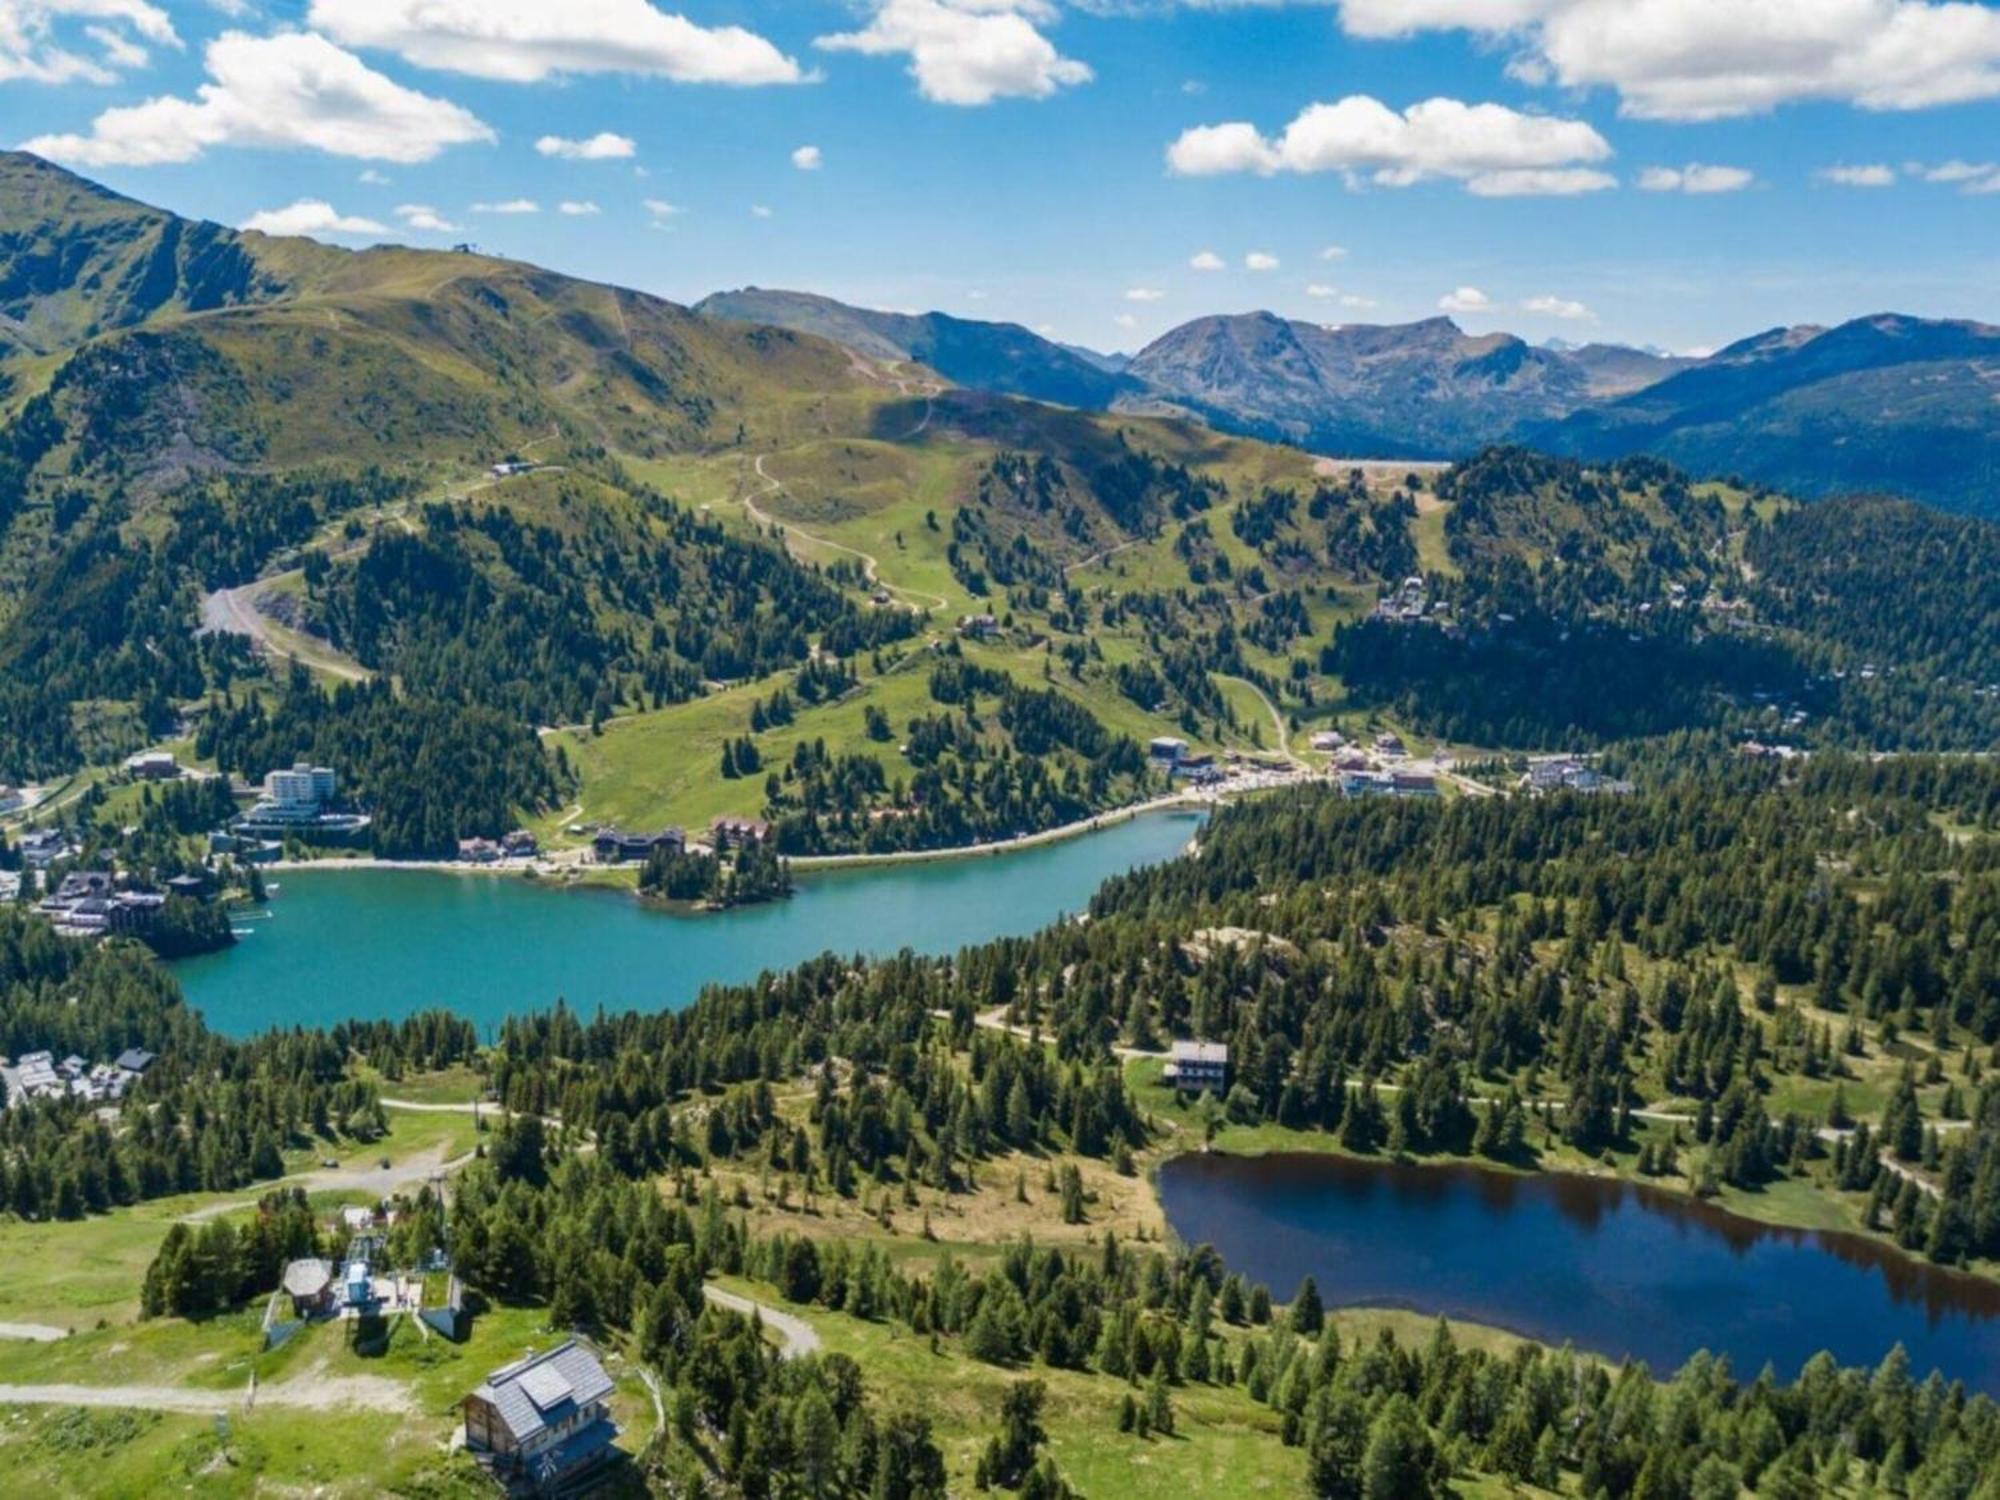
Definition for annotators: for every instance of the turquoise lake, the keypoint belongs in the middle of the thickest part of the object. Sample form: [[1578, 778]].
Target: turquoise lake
[[363, 944]]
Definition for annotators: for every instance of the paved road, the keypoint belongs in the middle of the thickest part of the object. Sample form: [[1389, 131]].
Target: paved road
[[795, 1335], [1003, 846]]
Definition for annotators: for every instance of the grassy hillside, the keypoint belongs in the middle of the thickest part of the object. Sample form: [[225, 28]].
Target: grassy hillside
[[718, 515]]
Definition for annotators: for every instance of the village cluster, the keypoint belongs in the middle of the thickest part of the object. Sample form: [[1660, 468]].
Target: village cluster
[[302, 801], [37, 1075]]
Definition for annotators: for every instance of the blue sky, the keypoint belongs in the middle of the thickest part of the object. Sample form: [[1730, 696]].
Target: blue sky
[[1675, 172]]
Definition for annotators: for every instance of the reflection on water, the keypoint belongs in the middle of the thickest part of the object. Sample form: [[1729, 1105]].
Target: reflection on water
[[1609, 1265]]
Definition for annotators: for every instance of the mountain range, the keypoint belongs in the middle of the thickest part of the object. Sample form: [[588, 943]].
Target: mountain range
[[502, 499], [1885, 403]]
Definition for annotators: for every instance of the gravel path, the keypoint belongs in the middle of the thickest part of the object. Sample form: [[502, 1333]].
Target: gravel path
[[775, 486], [140, 1397], [373, 1392], [795, 1335], [384, 1182], [39, 1333], [235, 612]]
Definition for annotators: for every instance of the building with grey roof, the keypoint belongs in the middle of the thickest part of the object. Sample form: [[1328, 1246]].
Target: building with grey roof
[[542, 1421], [1195, 1066]]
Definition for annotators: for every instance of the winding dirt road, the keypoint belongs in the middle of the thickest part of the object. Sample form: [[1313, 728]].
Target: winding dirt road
[[869, 567], [1277, 718]]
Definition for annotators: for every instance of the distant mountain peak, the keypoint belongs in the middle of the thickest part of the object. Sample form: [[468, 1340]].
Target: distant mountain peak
[[1000, 357]]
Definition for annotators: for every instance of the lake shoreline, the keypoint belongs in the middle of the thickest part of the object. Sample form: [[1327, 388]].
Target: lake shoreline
[[1618, 1268], [383, 944], [1983, 1275], [579, 873]]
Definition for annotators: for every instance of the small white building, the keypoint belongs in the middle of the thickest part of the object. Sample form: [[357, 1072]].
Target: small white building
[[1197, 1067]]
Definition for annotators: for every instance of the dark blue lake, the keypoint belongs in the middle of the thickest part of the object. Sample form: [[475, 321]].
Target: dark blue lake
[[1611, 1267]]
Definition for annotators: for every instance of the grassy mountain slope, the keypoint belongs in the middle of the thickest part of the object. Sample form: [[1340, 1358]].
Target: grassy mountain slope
[[732, 583], [324, 451], [77, 260]]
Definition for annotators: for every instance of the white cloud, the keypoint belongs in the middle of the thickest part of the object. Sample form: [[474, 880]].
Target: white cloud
[[604, 146], [32, 49], [1206, 260], [1323, 293], [659, 208], [1494, 150], [1957, 172], [421, 216], [1540, 182], [808, 159], [1334, 252], [1710, 59], [1353, 299], [1126, 320], [525, 41], [1559, 307], [967, 52], [1985, 185], [511, 206], [1211, 150], [1695, 178], [119, 50], [1260, 260], [1144, 294], [372, 178], [311, 216], [760, 211], [289, 91], [1466, 299], [578, 208], [1865, 175]]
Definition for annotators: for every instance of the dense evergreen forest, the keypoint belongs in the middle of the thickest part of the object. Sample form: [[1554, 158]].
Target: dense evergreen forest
[[429, 771], [995, 760], [1595, 604], [1523, 970], [210, 1114], [611, 601]]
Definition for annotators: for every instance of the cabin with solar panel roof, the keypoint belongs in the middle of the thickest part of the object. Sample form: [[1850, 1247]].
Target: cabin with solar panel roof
[[541, 1423]]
